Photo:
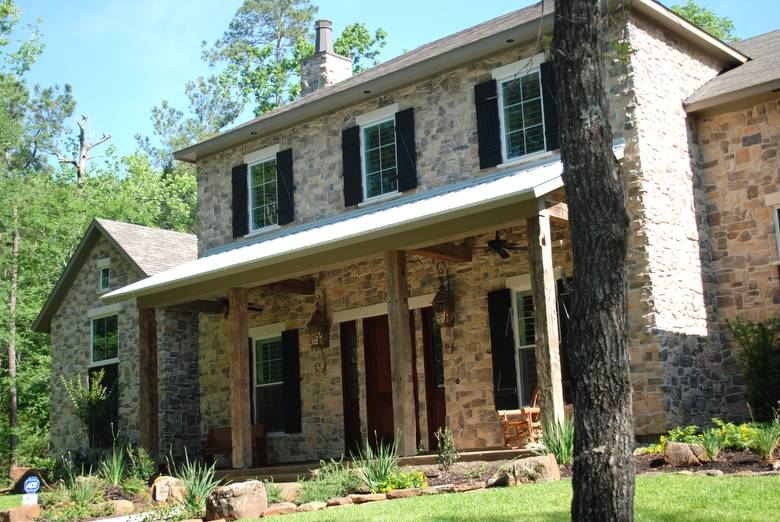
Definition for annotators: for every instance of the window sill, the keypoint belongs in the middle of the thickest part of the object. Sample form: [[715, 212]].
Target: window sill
[[107, 362], [526, 159], [264, 230], [380, 199], [275, 435], [775, 263]]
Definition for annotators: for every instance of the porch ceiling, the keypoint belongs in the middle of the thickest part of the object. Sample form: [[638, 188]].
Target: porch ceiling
[[420, 220]]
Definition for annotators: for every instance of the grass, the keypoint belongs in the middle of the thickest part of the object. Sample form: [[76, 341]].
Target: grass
[[9, 501], [659, 497]]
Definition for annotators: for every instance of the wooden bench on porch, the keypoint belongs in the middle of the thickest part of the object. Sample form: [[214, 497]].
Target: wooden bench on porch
[[220, 442]]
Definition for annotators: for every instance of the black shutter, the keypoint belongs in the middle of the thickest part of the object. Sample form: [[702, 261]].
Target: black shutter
[[564, 319], [550, 104], [353, 179], [502, 343], [284, 186], [252, 381], [240, 203], [292, 382], [405, 150], [488, 126]]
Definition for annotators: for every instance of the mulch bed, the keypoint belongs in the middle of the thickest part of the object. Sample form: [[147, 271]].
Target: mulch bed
[[460, 472]]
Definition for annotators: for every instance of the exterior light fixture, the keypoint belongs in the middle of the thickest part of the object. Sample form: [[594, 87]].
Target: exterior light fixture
[[444, 300], [319, 332]]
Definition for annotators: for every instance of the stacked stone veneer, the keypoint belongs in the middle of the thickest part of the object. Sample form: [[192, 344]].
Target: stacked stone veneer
[[741, 170], [70, 356]]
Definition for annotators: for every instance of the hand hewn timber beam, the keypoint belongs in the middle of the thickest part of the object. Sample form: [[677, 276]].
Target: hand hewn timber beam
[[447, 252], [400, 351], [295, 286], [238, 335], [548, 360], [556, 210], [203, 306], [149, 395]]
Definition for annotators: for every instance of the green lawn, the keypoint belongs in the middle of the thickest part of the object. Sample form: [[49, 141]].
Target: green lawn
[[9, 501], [659, 497]]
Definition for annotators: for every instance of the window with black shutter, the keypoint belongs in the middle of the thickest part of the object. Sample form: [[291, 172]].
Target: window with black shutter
[[240, 200], [285, 187], [503, 353]]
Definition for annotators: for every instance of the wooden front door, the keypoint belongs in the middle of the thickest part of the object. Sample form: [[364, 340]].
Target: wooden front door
[[379, 382], [350, 387], [433, 355]]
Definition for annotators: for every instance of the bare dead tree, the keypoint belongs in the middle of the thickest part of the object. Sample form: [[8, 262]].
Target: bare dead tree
[[85, 147], [603, 462]]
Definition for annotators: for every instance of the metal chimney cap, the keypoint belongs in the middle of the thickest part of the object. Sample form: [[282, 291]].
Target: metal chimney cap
[[323, 23], [324, 39]]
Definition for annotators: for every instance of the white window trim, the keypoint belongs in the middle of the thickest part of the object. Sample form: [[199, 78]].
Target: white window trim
[[260, 155], [518, 346], [250, 194], [104, 311], [361, 312], [104, 262], [92, 362], [526, 67], [100, 279], [364, 174], [381, 114], [259, 334]]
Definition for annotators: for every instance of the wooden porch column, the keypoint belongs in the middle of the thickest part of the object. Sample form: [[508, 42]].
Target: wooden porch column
[[149, 399], [400, 351], [548, 359], [238, 335]]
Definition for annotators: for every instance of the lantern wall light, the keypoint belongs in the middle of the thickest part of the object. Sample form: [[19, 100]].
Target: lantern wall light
[[319, 331]]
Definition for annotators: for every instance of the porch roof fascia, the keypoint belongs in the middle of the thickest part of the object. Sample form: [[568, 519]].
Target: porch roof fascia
[[404, 222]]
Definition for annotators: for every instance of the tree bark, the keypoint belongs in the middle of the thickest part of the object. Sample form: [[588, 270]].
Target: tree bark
[[603, 462], [12, 399]]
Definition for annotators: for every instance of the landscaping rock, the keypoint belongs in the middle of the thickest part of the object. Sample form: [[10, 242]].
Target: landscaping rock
[[680, 454], [470, 486], [289, 490], [122, 507], [775, 465], [699, 452], [339, 501], [442, 488], [241, 500], [280, 509], [685, 472], [526, 471], [362, 498], [21, 514], [403, 493], [746, 473], [312, 506], [167, 489], [710, 472]]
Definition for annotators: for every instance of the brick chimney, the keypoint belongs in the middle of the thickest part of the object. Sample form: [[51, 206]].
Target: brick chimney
[[324, 67]]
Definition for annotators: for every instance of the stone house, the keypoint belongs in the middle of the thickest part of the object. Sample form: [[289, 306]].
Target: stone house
[[389, 254], [88, 336]]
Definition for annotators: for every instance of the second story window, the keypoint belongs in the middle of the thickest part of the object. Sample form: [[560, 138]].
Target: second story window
[[105, 278], [522, 117], [263, 194], [379, 157]]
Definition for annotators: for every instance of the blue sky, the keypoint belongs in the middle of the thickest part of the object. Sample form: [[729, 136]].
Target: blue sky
[[124, 56]]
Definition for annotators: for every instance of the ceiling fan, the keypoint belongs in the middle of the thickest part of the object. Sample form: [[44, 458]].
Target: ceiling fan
[[502, 247]]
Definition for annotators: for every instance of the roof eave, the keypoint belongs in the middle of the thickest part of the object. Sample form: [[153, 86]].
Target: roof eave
[[727, 98]]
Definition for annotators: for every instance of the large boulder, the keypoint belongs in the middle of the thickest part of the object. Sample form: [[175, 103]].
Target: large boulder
[[21, 514], [235, 501], [122, 507], [167, 490], [680, 454], [527, 471]]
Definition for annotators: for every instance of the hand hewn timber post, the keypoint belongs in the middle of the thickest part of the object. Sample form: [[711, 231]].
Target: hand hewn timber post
[[240, 422], [149, 398], [400, 351], [548, 359]]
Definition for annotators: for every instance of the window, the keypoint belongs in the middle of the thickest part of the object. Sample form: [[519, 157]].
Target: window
[[269, 384], [379, 159], [105, 339], [263, 194], [522, 115], [105, 278], [526, 345], [777, 228]]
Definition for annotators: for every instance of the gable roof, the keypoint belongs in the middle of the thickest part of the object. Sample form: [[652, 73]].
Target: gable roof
[[148, 250], [487, 38], [761, 74]]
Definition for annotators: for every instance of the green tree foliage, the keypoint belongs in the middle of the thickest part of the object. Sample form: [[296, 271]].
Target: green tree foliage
[[759, 358], [721, 27]]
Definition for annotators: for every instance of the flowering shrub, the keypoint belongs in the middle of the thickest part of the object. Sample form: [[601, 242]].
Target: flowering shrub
[[739, 437], [733, 436], [403, 480]]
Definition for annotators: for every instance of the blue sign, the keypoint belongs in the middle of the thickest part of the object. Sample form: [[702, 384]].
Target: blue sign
[[32, 485]]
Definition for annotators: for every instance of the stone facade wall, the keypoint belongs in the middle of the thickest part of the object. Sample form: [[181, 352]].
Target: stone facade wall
[[741, 170], [673, 335], [71, 356], [467, 369]]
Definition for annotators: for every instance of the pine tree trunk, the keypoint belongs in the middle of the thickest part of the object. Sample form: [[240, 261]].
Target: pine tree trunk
[[12, 417], [603, 461]]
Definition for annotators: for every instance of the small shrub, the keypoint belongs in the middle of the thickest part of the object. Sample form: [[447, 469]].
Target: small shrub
[[198, 481], [141, 465], [765, 441], [712, 442], [134, 487], [558, 439], [273, 492], [77, 497], [113, 468], [735, 436], [759, 358], [447, 453], [333, 479], [476, 473], [403, 480], [90, 402], [377, 465]]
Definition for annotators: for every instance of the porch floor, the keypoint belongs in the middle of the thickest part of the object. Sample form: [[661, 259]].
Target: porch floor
[[294, 472]]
